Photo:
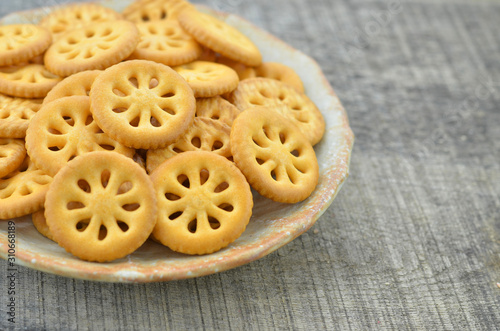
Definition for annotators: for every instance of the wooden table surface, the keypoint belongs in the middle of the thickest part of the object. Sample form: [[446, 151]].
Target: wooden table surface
[[413, 239]]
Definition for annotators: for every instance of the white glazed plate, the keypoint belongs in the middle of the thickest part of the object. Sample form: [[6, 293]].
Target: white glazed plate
[[272, 225]]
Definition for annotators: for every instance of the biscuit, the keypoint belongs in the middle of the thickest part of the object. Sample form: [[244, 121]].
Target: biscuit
[[284, 99], [208, 79], [203, 135], [201, 208], [220, 37], [64, 129], [29, 81], [274, 155], [12, 154], [142, 104], [243, 71], [165, 42], [22, 192], [104, 212], [75, 16], [281, 72], [154, 10], [21, 42], [96, 46], [77, 84], [217, 108], [15, 115], [40, 223]]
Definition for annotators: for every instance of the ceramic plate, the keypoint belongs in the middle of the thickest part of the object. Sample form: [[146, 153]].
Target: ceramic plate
[[272, 225]]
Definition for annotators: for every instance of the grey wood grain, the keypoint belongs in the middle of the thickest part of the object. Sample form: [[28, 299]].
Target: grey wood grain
[[412, 241]]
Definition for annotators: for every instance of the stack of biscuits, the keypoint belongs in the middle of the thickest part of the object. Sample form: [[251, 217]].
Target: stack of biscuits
[[156, 122]]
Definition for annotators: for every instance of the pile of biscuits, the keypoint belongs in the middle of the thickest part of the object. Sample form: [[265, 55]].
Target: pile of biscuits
[[151, 123]]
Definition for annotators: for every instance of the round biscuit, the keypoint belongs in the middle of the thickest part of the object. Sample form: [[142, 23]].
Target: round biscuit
[[142, 104], [203, 207], [274, 155], [104, 212]]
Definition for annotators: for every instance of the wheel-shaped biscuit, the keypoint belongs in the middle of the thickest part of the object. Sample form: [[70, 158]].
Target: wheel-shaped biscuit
[[274, 155], [95, 46], [216, 108], [64, 129], [30, 81], [203, 135], [101, 212], [204, 206], [165, 42], [208, 79], [284, 98], [220, 37], [12, 153], [77, 84], [16, 114], [154, 10], [75, 16], [142, 104], [22, 192], [22, 42]]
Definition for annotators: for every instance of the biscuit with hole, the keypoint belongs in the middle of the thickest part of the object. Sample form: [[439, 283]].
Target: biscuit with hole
[[103, 212], [75, 16], [142, 104], [165, 42], [64, 129], [281, 72], [22, 192], [77, 84], [15, 115], [217, 108], [142, 11], [220, 37], [208, 79], [284, 99], [93, 47], [274, 155], [29, 81], [12, 154], [202, 208], [21, 42], [203, 135]]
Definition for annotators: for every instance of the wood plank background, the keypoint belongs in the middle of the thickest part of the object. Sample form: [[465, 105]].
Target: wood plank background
[[412, 240]]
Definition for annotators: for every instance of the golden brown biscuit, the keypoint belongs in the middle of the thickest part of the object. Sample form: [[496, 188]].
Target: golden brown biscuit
[[243, 71], [203, 135], [203, 207], [208, 79], [12, 154], [21, 42], [15, 115], [77, 84], [103, 212], [75, 16], [154, 10], [165, 42], [142, 104], [40, 223], [64, 129], [22, 192], [274, 155], [281, 72], [217, 108], [28, 81], [284, 99], [95, 46], [220, 37]]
